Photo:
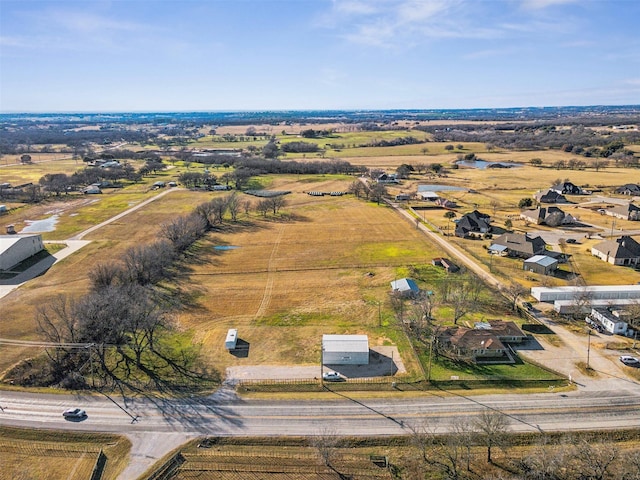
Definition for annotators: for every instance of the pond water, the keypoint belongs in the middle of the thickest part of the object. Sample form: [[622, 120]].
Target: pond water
[[439, 188], [225, 247], [39, 226], [482, 164]]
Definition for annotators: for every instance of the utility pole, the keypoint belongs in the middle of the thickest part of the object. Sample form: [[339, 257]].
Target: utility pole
[[588, 347], [430, 358]]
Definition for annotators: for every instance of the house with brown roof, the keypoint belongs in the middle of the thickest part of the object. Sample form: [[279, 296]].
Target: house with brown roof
[[472, 343], [621, 251], [486, 342]]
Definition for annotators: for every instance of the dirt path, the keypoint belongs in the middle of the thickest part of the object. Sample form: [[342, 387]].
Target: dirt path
[[81, 235], [268, 289]]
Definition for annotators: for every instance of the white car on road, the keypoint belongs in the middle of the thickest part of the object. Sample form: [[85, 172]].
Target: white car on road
[[74, 413]]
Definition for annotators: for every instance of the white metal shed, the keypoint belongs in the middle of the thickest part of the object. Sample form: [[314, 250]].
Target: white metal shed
[[16, 248], [345, 350]]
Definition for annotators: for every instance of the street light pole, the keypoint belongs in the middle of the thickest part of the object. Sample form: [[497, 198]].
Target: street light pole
[[588, 347]]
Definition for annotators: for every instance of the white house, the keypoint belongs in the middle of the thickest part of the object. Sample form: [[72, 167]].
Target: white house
[[345, 350], [16, 248], [610, 320]]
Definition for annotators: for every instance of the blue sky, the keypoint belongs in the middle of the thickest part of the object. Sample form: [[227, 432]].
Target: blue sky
[[165, 55]]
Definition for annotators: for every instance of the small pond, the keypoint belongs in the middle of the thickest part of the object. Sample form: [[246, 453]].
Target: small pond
[[482, 164], [38, 226], [225, 247]]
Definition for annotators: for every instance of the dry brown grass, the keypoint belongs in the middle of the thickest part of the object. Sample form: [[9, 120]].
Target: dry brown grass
[[57, 455], [294, 277]]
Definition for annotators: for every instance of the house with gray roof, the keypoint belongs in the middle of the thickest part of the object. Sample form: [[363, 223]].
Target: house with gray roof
[[628, 189], [549, 196], [520, 244], [551, 216], [625, 212], [474, 224], [621, 251], [567, 188]]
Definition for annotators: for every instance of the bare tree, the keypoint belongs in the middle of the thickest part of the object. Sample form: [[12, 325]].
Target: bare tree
[[183, 231], [513, 292], [491, 427], [377, 192], [357, 188], [147, 264], [233, 206], [631, 466], [263, 207], [459, 300], [246, 206], [545, 462], [276, 203], [103, 275], [594, 460], [218, 207], [326, 442]]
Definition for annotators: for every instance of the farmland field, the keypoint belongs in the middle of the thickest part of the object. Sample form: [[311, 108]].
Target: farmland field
[[321, 265], [57, 456]]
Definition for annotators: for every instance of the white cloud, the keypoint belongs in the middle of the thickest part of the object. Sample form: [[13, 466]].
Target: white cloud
[[542, 4]]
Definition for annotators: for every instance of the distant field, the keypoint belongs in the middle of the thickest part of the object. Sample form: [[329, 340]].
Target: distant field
[[27, 454]]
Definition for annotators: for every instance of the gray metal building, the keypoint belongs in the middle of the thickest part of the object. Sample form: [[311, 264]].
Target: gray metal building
[[345, 350]]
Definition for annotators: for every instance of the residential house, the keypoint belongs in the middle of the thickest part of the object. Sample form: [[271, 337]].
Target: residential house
[[621, 251], [625, 212], [477, 344], [444, 203], [387, 178], [487, 342], [406, 287], [521, 244], [628, 189], [473, 224], [549, 196], [569, 188], [507, 332], [551, 216], [541, 264]]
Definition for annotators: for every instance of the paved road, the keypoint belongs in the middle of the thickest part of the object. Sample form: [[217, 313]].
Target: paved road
[[171, 422]]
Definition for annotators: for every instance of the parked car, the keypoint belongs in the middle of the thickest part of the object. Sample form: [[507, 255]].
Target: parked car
[[74, 413], [527, 305], [571, 240], [630, 361], [332, 377]]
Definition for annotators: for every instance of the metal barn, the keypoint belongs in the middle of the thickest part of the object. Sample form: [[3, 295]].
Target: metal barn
[[345, 350], [16, 248]]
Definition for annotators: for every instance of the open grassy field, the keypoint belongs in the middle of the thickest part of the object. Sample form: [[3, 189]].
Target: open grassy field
[[31, 454], [323, 265]]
